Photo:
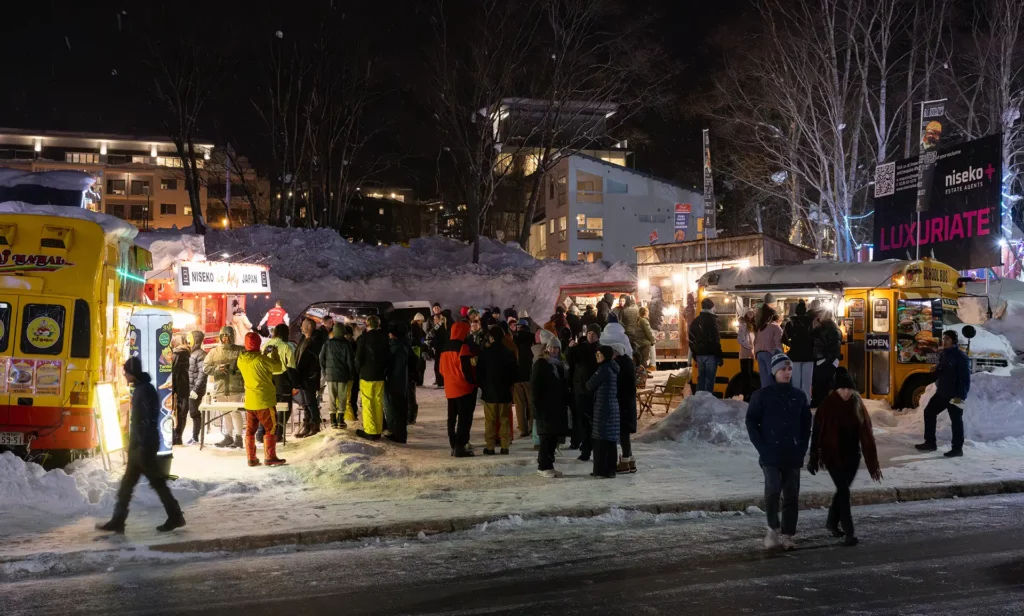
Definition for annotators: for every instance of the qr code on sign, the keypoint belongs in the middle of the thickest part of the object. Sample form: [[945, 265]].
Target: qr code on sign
[[885, 180]]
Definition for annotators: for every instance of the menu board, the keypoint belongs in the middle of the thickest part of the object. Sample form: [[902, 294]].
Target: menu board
[[47, 378], [918, 330], [21, 377], [857, 314], [31, 376]]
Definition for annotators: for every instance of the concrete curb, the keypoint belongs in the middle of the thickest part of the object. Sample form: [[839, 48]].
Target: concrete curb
[[808, 500]]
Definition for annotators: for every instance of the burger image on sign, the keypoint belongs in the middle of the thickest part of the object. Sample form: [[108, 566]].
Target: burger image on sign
[[932, 135]]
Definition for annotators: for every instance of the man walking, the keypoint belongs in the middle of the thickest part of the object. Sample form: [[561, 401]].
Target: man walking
[[260, 398], [779, 425], [143, 445], [952, 384], [523, 339], [706, 345], [274, 317]]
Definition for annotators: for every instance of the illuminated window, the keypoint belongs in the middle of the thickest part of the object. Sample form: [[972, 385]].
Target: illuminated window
[[140, 159], [168, 184], [187, 210], [81, 157], [563, 223], [380, 211], [168, 161], [563, 256], [581, 220], [530, 164], [594, 230], [551, 226]]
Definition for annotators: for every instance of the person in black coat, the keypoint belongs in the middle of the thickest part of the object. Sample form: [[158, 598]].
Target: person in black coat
[[523, 339], [143, 446], [437, 339], [604, 384], [706, 345], [180, 386], [582, 364], [306, 377], [574, 321], [604, 308], [496, 373], [589, 317], [373, 356], [798, 335], [397, 376], [550, 395], [952, 384], [627, 412]]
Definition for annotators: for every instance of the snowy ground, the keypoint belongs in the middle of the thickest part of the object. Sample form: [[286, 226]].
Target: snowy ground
[[699, 453]]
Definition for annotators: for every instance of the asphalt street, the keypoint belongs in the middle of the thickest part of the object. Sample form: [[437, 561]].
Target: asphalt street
[[940, 557]]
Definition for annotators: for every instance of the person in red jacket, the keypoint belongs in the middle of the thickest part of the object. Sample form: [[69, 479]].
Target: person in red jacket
[[459, 388]]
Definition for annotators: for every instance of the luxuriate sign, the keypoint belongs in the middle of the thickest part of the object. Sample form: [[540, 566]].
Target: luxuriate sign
[[218, 277], [961, 226]]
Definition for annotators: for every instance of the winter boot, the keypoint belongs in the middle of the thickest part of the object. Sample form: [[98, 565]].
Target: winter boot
[[253, 462], [173, 521], [926, 446], [238, 444], [954, 453], [787, 542], [622, 466], [850, 541], [227, 441], [341, 424], [488, 452], [834, 530], [504, 451], [270, 451], [115, 525], [369, 437], [250, 445], [771, 539], [632, 464]]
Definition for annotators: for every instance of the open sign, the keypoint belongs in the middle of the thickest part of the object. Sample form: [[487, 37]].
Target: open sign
[[877, 342]]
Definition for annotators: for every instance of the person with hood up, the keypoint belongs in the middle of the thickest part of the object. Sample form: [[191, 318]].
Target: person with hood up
[[604, 385], [604, 308], [260, 398], [574, 321], [397, 377], [615, 334], [180, 385], [196, 382], [589, 317], [828, 347], [779, 426], [582, 365], [373, 356], [143, 446], [222, 364], [706, 345], [282, 382], [523, 339], [496, 371], [338, 365], [550, 395], [306, 377], [437, 340], [643, 339], [952, 384], [459, 389], [766, 341], [842, 429], [799, 337], [627, 411]]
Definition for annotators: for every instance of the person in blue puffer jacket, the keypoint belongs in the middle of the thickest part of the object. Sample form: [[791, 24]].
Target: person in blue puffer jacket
[[604, 385], [779, 425]]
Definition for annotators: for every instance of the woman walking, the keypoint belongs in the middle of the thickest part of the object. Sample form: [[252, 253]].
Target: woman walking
[[842, 429], [606, 432]]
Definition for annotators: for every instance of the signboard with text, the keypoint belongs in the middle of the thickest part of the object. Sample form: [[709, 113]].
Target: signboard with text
[[219, 277]]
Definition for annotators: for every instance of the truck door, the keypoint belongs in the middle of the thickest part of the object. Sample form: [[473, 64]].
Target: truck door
[[36, 380], [856, 358], [8, 325]]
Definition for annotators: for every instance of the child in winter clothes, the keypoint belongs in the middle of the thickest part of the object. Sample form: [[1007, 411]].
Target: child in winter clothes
[[606, 431], [842, 430]]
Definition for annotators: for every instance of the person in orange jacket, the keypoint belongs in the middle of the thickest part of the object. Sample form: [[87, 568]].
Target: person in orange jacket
[[260, 398], [459, 388]]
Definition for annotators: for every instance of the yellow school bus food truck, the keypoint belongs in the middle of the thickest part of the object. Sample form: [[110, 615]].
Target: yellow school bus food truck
[[68, 279], [892, 314]]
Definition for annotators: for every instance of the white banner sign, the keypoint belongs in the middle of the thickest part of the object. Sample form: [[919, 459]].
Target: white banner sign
[[218, 277]]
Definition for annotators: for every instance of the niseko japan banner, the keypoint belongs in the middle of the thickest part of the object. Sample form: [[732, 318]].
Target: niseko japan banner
[[933, 114], [961, 227]]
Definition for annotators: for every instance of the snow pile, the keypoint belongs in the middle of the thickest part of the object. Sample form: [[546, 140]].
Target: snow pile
[[114, 228], [319, 265], [1009, 324], [986, 343], [170, 246], [702, 418], [993, 411], [338, 458]]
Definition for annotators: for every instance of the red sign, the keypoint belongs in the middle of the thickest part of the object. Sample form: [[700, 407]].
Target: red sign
[[654, 236], [683, 208]]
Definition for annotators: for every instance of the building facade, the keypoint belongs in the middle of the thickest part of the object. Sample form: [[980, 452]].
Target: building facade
[[592, 210], [140, 180]]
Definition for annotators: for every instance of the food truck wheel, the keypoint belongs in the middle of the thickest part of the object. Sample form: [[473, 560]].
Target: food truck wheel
[[913, 389]]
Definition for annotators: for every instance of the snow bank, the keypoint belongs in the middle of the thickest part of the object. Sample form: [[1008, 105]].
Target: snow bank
[[993, 411], [1009, 324], [338, 458], [170, 246], [319, 265], [702, 418], [987, 343]]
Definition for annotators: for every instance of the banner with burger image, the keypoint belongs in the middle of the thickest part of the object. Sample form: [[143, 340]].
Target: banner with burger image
[[919, 331]]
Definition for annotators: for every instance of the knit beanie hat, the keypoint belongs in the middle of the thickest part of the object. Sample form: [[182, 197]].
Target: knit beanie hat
[[594, 327], [769, 298], [253, 340], [133, 366], [607, 351], [843, 379], [779, 361]]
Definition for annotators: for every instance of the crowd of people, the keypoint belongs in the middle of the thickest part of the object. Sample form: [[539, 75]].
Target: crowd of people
[[779, 420]]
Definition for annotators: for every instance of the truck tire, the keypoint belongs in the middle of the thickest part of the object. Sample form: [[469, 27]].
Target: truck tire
[[913, 389]]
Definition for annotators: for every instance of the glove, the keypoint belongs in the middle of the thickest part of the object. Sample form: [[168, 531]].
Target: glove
[[812, 465], [958, 401], [193, 396], [721, 362]]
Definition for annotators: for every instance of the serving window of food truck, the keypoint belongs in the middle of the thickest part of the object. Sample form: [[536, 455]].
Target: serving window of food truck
[[891, 315]]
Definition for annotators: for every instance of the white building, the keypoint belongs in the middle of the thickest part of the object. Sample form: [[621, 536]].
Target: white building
[[591, 210]]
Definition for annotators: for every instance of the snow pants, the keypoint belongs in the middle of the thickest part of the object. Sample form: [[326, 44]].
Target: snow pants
[[267, 418], [524, 414], [784, 483], [498, 424], [140, 465], [372, 395], [460, 420]]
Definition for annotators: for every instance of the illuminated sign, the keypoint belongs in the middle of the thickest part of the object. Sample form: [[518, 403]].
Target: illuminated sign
[[220, 277]]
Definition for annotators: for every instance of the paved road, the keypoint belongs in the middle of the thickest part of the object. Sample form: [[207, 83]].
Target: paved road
[[942, 557]]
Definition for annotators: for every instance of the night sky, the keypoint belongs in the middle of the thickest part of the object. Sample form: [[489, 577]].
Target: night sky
[[79, 68]]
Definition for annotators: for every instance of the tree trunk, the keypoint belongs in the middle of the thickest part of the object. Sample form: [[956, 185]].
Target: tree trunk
[[531, 208]]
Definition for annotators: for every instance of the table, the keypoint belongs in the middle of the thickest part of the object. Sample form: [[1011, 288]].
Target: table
[[212, 411]]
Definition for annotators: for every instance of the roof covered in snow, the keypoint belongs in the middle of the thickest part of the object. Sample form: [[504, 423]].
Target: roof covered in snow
[[113, 227], [60, 180], [855, 275]]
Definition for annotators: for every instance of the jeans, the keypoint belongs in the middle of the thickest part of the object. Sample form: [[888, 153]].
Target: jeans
[[839, 512], [764, 368], [784, 482], [460, 420], [803, 373], [546, 453], [956, 419], [707, 367]]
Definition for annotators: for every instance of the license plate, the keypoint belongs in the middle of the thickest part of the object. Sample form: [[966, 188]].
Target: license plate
[[12, 438]]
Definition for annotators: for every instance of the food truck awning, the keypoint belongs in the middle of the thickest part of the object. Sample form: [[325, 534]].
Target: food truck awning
[[804, 275]]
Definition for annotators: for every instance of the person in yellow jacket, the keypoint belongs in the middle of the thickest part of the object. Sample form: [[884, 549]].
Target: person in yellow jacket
[[260, 398]]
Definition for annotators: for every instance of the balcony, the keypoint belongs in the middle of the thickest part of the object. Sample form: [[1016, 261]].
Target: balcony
[[590, 234]]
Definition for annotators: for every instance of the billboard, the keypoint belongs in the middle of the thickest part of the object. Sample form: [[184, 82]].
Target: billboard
[[221, 277], [682, 221], [961, 226]]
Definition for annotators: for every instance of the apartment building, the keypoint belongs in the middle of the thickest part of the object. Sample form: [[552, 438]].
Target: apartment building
[[137, 179], [592, 210]]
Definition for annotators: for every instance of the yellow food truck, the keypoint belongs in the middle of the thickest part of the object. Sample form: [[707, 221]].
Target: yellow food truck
[[69, 279], [892, 315]]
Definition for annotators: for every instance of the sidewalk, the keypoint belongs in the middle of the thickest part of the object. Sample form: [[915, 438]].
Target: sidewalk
[[337, 487]]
